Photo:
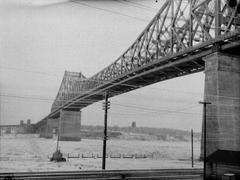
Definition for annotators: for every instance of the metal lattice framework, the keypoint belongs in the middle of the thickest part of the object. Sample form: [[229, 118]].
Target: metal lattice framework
[[178, 25], [172, 45], [72, 84]]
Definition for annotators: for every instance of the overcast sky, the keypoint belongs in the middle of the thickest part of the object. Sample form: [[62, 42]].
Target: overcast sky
[[41, 39]]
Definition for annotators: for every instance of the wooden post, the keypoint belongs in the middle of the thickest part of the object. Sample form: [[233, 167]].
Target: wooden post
[[205, 137], [106, 107], [192, 147]]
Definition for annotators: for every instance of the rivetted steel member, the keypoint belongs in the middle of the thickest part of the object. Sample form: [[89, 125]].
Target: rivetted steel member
[[234, 4]]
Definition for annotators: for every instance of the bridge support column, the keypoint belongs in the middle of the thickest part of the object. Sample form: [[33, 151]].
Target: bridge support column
[[70, 123], [222, 89], [41, 131], [47, 130], [44, 132]]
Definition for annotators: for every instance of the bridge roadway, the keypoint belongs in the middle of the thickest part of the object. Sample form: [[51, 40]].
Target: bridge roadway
[[176, 65], [160, 174], [168, 47]]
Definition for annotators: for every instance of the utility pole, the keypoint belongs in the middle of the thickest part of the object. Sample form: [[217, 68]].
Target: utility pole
[[204, 134], [58, 135], [192, 146], [106, 106]]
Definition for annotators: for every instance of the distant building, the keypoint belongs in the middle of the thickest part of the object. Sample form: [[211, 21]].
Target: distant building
[[8, 129], [134, 124], [22, 128]]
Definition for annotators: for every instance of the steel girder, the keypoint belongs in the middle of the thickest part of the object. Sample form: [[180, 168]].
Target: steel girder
[[172, 45], [179, 25], [72, 84]]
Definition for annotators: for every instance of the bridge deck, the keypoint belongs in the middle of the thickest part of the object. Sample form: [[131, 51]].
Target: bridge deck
[[176, 65], [167, 48]]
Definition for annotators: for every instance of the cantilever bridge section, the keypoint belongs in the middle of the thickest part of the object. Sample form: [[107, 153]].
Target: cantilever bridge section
[[184, 37], [172, 45]]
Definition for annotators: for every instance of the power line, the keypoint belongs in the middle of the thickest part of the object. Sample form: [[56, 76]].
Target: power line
[[25, 97], [28, 71], [86, 100], [151, 109], [110, 11], [168, 110], [148, 111], [141, 5], [131, 105], [46, 99], [97, 81], [136, 86], [135, 5]]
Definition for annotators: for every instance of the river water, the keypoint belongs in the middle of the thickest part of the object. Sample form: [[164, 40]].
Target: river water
[[21, 153]]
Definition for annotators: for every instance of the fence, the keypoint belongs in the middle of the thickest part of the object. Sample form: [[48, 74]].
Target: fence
[[114, 156]]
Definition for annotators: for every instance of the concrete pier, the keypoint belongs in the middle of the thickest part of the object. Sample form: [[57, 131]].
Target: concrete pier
[[47, 130], [70, 123], [43, 132], [222, 89]]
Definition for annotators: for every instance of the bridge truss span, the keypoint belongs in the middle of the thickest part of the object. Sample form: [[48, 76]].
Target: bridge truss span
[[178, 25], [172, 45]]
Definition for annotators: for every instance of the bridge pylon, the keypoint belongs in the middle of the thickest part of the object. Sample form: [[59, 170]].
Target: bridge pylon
[[68, 125], [222, 89]]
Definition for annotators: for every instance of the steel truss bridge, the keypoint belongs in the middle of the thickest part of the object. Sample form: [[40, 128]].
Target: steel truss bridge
[[172, 45]]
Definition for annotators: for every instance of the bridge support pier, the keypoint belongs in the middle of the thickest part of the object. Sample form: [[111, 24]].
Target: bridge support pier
[[48, 129], [222, 89], [70, 123], [44, 132], [41, 131]]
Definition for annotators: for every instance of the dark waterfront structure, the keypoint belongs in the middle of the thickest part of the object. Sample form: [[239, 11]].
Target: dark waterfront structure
[[221, 161], [183, 38]]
